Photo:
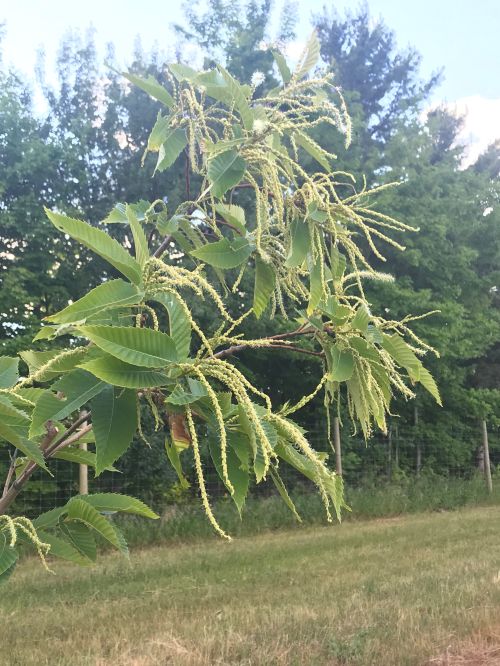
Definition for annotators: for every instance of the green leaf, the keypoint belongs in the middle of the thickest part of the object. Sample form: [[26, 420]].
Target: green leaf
[[64, 550], [8, 558], [119, 503], [9, 373], [313, 148], [99, 242], [31, 451], [338, 264], [402, 354], [427, 381], [79, 456], [49, 518], [361, 319], [315, 286], [137, 346], [116, 372], [235, 215], [114, 421], [78, 387], [140, 240], [118, 215], [78, 509], [182, 72], [309, 57], [64, 364], [152, 87], [225, 171], [180, 396], [284, 70], [238, 477], [171, 148], [110, 295], [81, 538], [301, 242], [224, 253], [265, 279], [240, 99], [179, 324], [340, 364], [159, 133], [278, 482], [173, 455]]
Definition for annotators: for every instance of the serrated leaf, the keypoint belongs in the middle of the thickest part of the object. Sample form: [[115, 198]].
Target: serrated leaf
[[428, 382], [240, 99], [159, 133], [136, 346], [283, 68], [265, 279], [309, 57], [173, 455], [315, 286], [171, 148], [182, 72], [119, 503], [8, 558], [361, 319], [238, 477], [81, 538], [224, 253], [9, 373], [235, 215], [64, 550], [278, 482], [301, 242], [179, 324], [114, 421], [313, 148], [180, 396], [151, 87], [112, 294], [78, 387], [140, 240], [99, 242], [225, 171], [116, 372], [79, 456], [402, 354], [78, 509], [340, 364]]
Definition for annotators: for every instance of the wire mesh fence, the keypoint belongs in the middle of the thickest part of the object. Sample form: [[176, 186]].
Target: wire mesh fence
[[405, 452]]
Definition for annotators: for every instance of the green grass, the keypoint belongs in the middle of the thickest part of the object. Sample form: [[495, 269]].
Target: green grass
[[181, 523], [384, 592]]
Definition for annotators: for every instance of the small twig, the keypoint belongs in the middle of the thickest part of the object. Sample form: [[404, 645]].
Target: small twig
[[162, 247], [10, 473]]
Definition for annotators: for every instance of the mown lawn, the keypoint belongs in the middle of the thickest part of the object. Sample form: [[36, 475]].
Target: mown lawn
[[389, 592]]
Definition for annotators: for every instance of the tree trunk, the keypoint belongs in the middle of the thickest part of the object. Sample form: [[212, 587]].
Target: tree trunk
[[486, 455], [337, 445]]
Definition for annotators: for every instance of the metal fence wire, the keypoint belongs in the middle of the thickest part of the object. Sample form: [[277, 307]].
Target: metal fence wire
[[144, 472]]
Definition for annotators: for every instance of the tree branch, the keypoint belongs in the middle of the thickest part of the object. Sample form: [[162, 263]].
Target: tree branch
[[67, 438]]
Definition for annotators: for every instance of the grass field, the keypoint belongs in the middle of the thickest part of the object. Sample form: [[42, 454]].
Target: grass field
[[413, 590]]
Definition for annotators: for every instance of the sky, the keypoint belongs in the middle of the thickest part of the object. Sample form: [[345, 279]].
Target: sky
[[459, 36]]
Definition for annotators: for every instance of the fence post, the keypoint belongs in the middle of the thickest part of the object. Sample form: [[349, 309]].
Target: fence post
[[486, 456]]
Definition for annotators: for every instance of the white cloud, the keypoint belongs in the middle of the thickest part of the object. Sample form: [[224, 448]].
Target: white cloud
[[481, 126]]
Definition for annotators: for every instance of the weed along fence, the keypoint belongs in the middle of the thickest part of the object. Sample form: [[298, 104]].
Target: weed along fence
[[406, 458]]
